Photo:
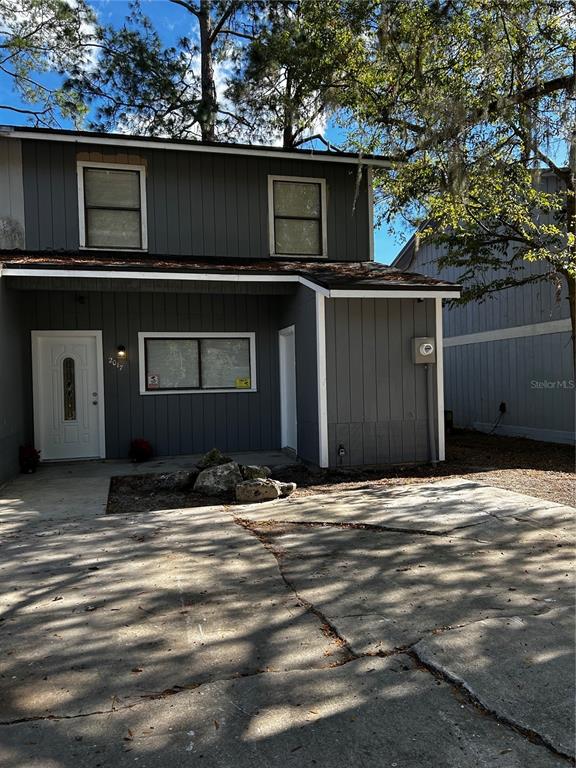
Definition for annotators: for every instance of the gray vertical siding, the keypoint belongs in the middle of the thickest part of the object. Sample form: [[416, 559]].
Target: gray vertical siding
[[377, 407], [199, 204], [532, 375], [174, 424], [11, 194], [300, 310], [533, 303], [14, 404], [481, 375]]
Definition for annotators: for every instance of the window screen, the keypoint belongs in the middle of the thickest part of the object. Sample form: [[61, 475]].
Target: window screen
[[297, 218], [172, 364], [197, 363], [113, 214]]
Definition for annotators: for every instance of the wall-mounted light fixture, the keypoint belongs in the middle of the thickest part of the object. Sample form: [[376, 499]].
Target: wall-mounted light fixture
[[121, 352]]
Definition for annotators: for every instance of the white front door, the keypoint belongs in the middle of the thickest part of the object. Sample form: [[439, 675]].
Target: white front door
[[68, 395], [288, 413]]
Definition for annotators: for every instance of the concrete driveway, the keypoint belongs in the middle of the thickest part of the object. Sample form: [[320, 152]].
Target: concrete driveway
[[417, 626]]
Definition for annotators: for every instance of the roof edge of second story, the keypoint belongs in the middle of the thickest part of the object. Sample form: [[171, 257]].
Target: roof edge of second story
[[190, 145]]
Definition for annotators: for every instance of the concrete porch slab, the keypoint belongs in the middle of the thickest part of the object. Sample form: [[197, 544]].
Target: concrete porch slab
[[59, 490]]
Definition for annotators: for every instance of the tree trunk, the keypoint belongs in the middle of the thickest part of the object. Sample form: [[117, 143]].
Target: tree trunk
[[208, 105], [288, 115]]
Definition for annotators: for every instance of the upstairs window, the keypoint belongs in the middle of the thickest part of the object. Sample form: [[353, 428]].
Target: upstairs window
[[112, 206], [297, 216]]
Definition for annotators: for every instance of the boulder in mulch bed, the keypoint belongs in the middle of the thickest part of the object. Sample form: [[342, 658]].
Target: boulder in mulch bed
[[286, 488], [259, 489], [219, 480], [253, 472], [213, 459], [262, 489], [181, 480]]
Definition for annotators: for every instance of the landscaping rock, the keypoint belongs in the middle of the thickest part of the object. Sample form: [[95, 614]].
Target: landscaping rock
[[262, 489], [259, 489], [213, 458], [176, 481], [253, 472], [285, 488], [218, 481]]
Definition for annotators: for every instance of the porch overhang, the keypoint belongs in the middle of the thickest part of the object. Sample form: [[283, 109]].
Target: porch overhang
[[329, 279]]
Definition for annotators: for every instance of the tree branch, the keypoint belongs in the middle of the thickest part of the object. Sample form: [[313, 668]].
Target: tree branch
[[189, 6], [232, 7]]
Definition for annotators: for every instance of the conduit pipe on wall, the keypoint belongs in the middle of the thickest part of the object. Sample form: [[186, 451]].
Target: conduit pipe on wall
[[433, 453]]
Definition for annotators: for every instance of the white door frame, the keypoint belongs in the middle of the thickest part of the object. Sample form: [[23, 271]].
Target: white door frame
[[37, 383], [290, 330]]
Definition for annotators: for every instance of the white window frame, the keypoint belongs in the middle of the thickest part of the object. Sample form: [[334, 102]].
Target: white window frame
[[143, 335], [80, 166], [323, 217]]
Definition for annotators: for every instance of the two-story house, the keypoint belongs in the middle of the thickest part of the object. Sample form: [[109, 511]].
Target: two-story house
[[206, 295]]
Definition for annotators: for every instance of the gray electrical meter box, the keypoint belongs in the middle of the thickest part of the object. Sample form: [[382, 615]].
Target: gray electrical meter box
[[424, 349]]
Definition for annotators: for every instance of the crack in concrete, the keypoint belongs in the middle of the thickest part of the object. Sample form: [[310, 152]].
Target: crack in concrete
[[252, 524], [144, 698], [458, 686], [328, 628], [468, 694]]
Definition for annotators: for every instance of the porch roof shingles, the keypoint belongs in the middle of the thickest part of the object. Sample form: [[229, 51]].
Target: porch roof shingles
[[361, 276]]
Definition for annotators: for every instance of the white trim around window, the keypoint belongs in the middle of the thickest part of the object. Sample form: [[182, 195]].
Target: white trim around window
[[143, 335], [141, 169], [271, 217]]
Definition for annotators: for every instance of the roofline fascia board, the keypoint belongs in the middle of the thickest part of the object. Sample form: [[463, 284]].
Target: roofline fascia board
[[230, 278], [134, 275], [397, 293], [214, 149]]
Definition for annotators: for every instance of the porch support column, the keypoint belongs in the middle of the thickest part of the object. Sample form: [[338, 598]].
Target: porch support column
[[321, 375], [440, 380]]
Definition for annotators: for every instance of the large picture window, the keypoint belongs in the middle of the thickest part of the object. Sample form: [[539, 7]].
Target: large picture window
[[188, 362], [297, 216], [112, 206]]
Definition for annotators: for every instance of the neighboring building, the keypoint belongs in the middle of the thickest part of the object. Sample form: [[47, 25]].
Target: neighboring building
[[205, 295], [514, 348]]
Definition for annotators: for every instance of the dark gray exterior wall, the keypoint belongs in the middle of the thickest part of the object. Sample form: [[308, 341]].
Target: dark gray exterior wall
[[179, 423], [377, 397], [14, 430], [198, 204], [300, 311], [11, 194]]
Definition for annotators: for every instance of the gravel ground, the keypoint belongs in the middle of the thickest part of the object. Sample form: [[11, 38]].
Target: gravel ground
[[544, 470]]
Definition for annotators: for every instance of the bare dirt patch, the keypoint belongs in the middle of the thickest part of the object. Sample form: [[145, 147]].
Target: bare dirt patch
[[544, 470]]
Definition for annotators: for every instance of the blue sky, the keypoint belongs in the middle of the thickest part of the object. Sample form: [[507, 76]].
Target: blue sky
[[173, 22]]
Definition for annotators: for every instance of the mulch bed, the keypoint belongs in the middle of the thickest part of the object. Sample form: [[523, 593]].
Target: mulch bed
[[544, 470], [130, 494]]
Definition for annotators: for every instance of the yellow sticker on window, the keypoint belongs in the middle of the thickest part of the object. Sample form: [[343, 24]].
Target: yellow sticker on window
[[243, 383]]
